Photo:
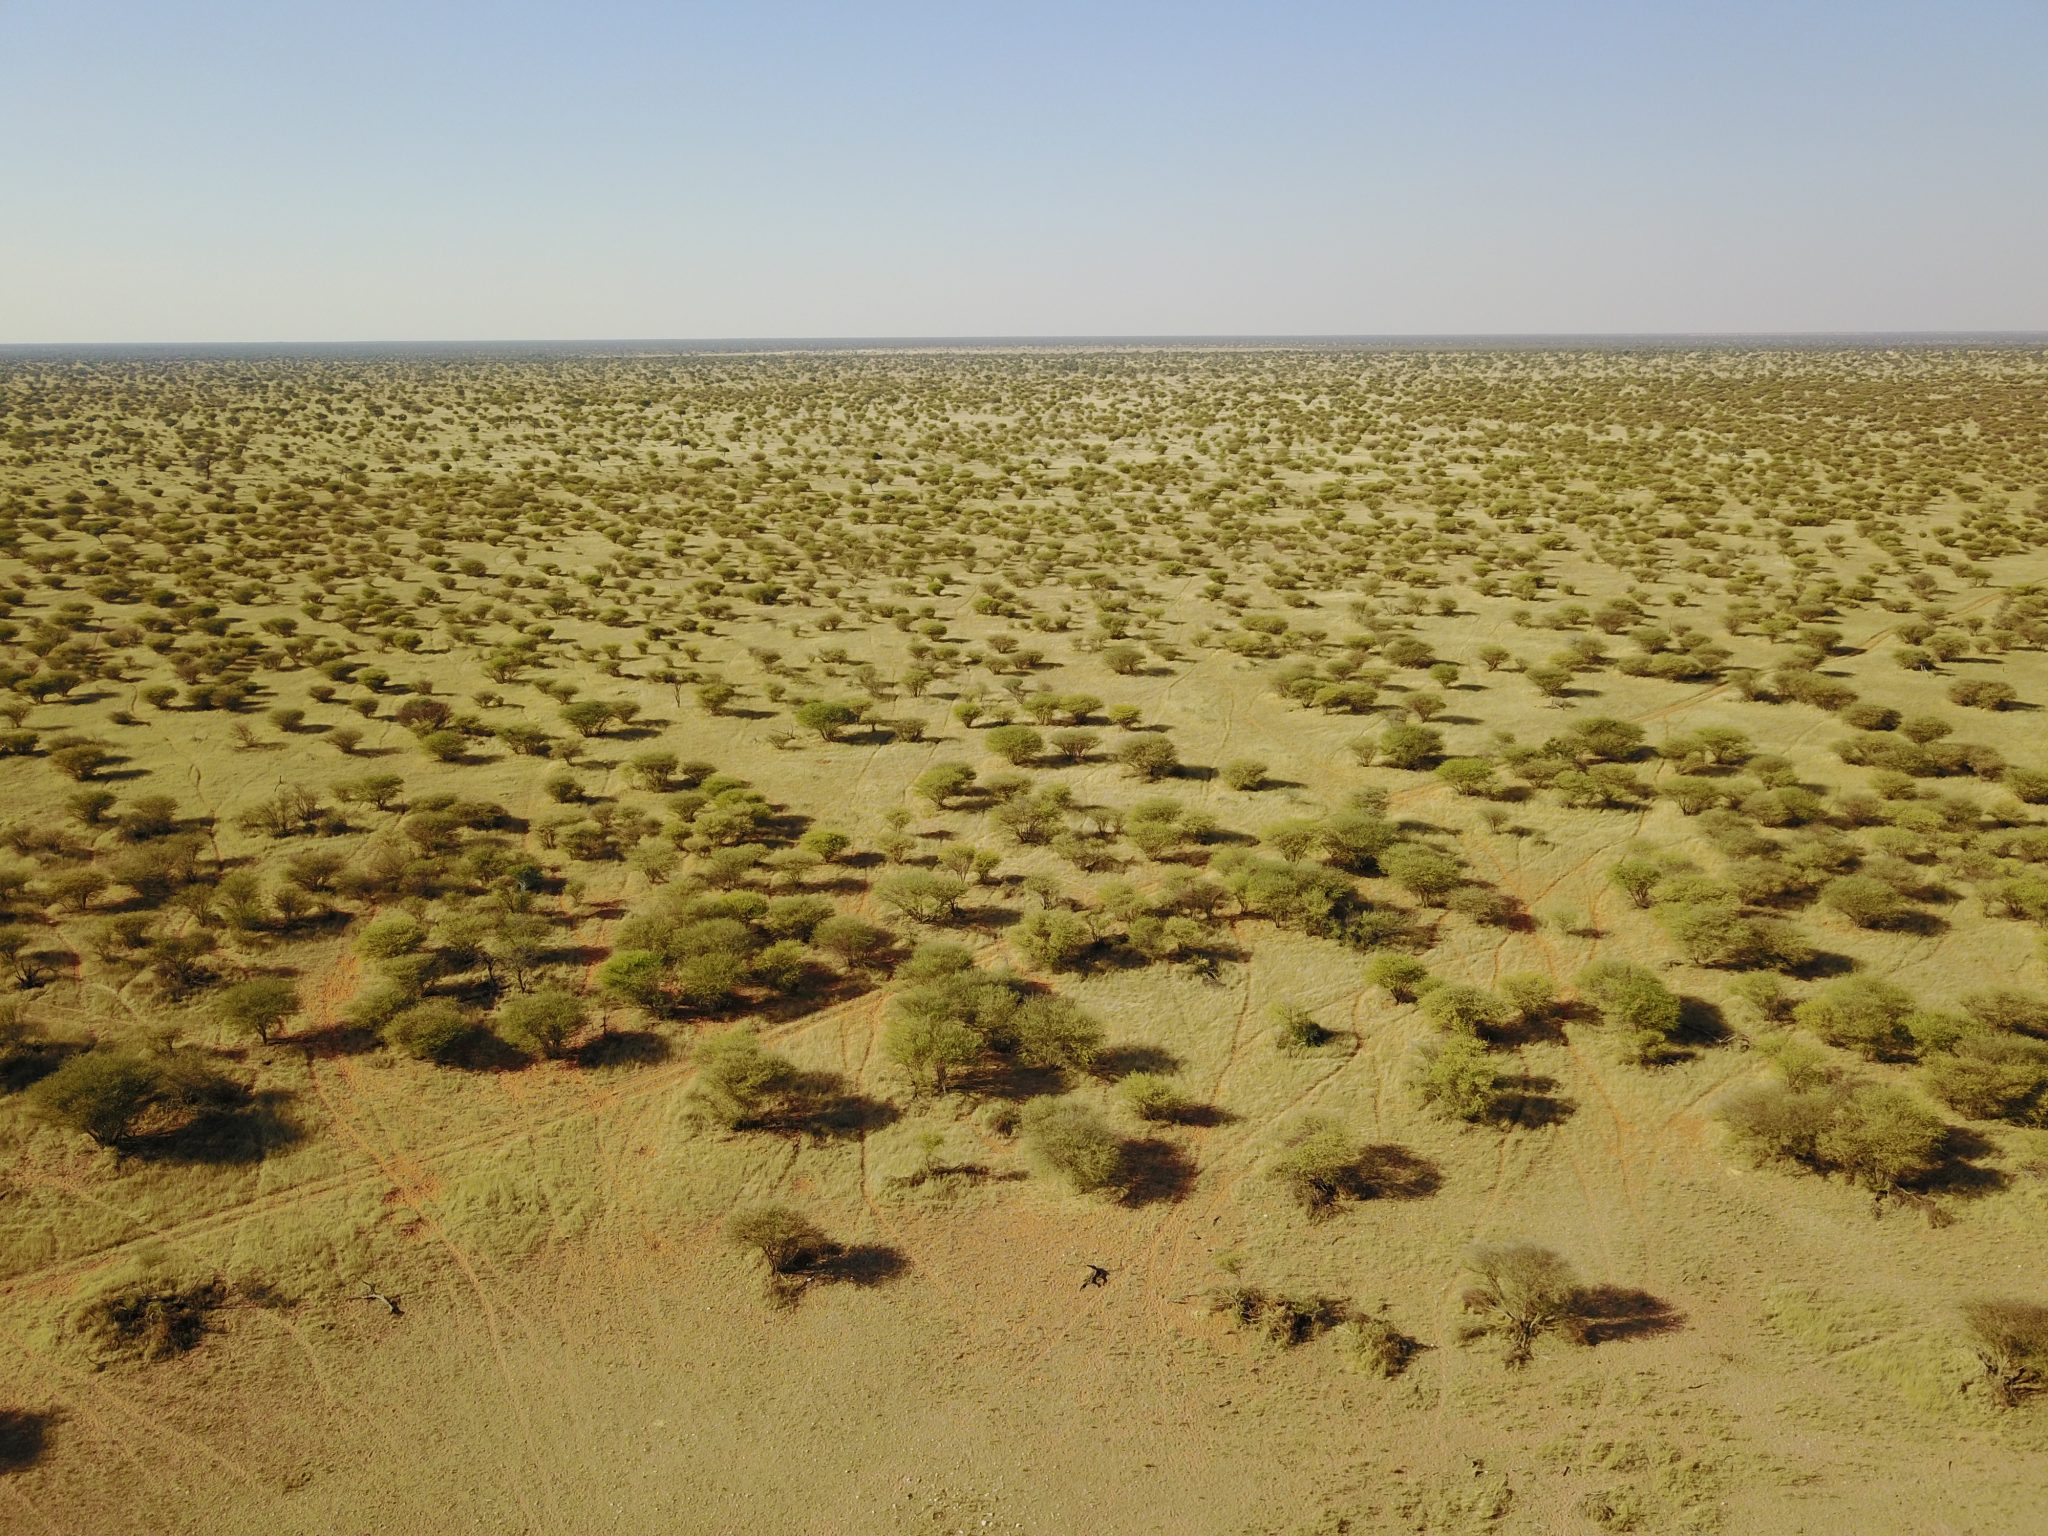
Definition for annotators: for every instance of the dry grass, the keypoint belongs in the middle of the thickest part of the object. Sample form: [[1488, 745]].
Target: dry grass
[[578, 1347]]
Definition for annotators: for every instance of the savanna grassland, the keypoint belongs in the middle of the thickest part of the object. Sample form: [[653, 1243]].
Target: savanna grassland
[[600, 943]]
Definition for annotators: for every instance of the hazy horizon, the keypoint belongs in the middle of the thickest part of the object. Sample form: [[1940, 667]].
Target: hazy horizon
[[268, 175], [684, 345]]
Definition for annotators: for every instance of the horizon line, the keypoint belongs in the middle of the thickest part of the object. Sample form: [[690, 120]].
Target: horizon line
[[1921, 336]]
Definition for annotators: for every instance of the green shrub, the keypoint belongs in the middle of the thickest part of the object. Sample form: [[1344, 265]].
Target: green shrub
[[1247, 774], [1017, 744], [258, 1006], [1877, 1135], [1409, 747], [389, 935], [1377, 1347], [1296, 1029], [1318, 1167], [853, 940], [1530, 993], [1401, 977], [2009, 1009], [1520, 1293], [1148, 757], [1866, 901], [429, 1031], [743, 1085], [1428, 874], [103, 1093], [1073, 1141], [1457, 1077], [1635, 1000], [1053, 937], [1154, 1097], [786, 1240], [1458, 1008], [542, 1021], [1048, 1031], [2010, 1340], [1993, 1077], [1864, 1014], [930, 1047]]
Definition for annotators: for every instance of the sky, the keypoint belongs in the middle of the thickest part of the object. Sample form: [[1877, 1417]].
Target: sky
[[280, 170]]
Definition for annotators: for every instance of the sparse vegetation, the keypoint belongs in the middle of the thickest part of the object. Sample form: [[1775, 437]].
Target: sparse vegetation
[[479, 820]]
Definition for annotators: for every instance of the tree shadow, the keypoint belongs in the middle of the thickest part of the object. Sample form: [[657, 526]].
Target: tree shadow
[[1701, 1023], [1120, 1061], [1154, 1171], [1221, 837], [1545, 1027], [833, 988], [337, 1039], [1013, 1082], [862, 1265], [33, 1060], [1531, 1103], [1387, 1171], [481, 1050], [1605, 1313], [839, 1116], [622, 1048], [1959, 1170], [225, 1135], [988, 918], [1823, 964], [24, 1437], [1919, 924]]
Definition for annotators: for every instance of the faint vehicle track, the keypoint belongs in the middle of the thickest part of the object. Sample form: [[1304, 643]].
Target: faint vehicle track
[[416, 1188]]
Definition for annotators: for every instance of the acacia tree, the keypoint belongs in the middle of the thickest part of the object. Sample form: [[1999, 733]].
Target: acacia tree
[[1520, 1292], [2010, 1340], [1073, 1141], [542, 1021], [788, 1243], [104, 1093], [258, 1006]]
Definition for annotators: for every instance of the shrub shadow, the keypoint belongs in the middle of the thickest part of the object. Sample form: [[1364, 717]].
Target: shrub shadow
[[1960, 1171], [1120, 1061], [34, 1060], [863, 1265], [482, 1051], [1391, 1172], [622, 1048], [1531, 1103], [338, 1039], [24, 1437], [842, 1116], [1604, 1313], [1154, 1171], [230, 1134], [1701, 1023]]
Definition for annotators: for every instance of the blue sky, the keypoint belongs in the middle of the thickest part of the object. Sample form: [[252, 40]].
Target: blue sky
[[229, 170]]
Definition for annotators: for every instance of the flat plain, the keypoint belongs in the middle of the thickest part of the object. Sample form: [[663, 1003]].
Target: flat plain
[[1133, 940]]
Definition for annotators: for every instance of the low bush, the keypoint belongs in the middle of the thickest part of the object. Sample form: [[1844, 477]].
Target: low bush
[[1073, 1141]]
